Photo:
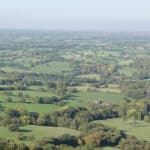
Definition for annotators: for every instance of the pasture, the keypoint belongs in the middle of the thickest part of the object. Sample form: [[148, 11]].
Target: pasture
[[140, 129], [104, 96], [52, 67], [37, 132], [44, 72], [40, 108]]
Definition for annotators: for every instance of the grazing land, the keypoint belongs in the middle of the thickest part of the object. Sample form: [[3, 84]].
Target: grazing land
[[139, 129], [37, 132], [75, 90]]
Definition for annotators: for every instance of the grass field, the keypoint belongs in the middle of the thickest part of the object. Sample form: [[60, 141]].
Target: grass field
[[107, 53], [90, 76], [126, 62], [37, 88], [106, 148], [41, 108], [75, 103], [104, 96], [141, 130], [32, 93], [52, 67], [112, 88], [37, 132], [42, 131], [128, 71], [82, 88], [12, 69], [64, 65], [3, 97]]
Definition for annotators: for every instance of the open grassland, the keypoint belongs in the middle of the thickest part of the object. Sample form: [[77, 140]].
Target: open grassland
[[140, 129], [104, 96], [103, 53], [3, 98], [106, 148], [112, 88], [126, 62], [40, 108], [32, 93], [83, 87], [52, 67], [79, 69], [128, 71], [37, 88], [90, 76], [75, 103], [13, 69], [42, 131], [37, 132]]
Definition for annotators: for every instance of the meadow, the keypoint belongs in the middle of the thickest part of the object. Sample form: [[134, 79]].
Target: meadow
[[139, 129], [76, 78], [99, 96], [37, 132]]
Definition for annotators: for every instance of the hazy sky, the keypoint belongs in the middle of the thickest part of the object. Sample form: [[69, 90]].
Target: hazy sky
[[75, 14]]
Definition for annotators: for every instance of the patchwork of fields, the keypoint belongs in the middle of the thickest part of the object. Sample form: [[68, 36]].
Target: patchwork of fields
[[53, 84]]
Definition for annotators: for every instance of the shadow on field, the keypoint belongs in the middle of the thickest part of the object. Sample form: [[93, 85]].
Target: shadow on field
[[73, 96], [24, 130]]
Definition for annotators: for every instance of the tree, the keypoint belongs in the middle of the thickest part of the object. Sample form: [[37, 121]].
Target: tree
[[11, 113], [134, 114], [68, 140], [13, 128], [147, 118], [93, 139], [25, 120], [9, 99], [43, 120]]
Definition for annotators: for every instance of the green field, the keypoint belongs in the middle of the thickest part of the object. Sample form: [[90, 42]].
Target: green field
[[90, 76], [128, 71], [75, 103], [37, 132], [52, 67], [106, 148], [36, 88], [12, 69], [104, 96], [140, 130], [70, 79], [112, 88], [35, 92], [41, 108], [83, 87]]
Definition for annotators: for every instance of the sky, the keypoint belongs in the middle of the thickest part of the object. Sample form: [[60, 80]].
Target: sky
[[75, 14]]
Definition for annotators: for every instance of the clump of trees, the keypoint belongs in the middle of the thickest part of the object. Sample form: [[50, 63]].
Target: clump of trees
[[135, 89], [46, 100], [136, 110], [100, 135], [66, 117], [6, 144], [131, 143]]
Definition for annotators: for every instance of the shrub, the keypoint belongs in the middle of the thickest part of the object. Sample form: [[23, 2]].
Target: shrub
[[13, 128]]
